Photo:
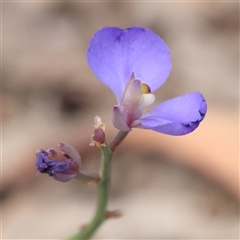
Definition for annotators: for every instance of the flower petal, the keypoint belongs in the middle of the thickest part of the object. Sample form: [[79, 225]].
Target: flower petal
[[63, 177], [177, 116], [71, 152], [132, 100], [119, 118], [114, 54], [44, 164]]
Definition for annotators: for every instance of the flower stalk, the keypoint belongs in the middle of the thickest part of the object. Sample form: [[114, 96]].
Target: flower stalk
[[103, 186], [86, 177], [117, 140]]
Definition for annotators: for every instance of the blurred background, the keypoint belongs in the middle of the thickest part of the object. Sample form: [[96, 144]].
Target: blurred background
[[167, 187]]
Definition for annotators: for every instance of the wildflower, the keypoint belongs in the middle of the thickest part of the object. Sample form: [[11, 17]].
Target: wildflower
[[62, 167], [133, 63]]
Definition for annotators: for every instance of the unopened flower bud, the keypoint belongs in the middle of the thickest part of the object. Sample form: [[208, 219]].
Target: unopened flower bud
[[98, 136]]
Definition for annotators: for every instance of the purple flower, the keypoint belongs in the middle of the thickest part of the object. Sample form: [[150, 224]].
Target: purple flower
[[62, 167], [133, 63]]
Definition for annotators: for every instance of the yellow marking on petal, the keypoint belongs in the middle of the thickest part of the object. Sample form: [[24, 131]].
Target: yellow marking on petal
[[145, 88], [50, 156]]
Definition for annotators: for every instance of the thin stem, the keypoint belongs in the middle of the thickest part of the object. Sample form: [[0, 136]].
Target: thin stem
[[103, 186], [86, 177], [117, 140], [103, 194]]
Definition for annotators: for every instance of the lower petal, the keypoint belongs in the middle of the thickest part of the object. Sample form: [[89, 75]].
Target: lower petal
[[178, 116], [63, 177]]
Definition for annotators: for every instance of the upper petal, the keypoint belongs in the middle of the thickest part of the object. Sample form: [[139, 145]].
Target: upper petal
[[177, 116], [114, 54]]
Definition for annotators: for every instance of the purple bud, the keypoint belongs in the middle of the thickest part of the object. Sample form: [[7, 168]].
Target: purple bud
[[98, 136], [62, 167]]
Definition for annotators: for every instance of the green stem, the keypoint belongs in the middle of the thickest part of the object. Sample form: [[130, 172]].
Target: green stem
[[103, 187], [103, 194], [86, 177]]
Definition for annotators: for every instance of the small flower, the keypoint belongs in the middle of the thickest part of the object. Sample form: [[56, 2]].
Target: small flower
[[133, 63], [62, 167], [98, 136]]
